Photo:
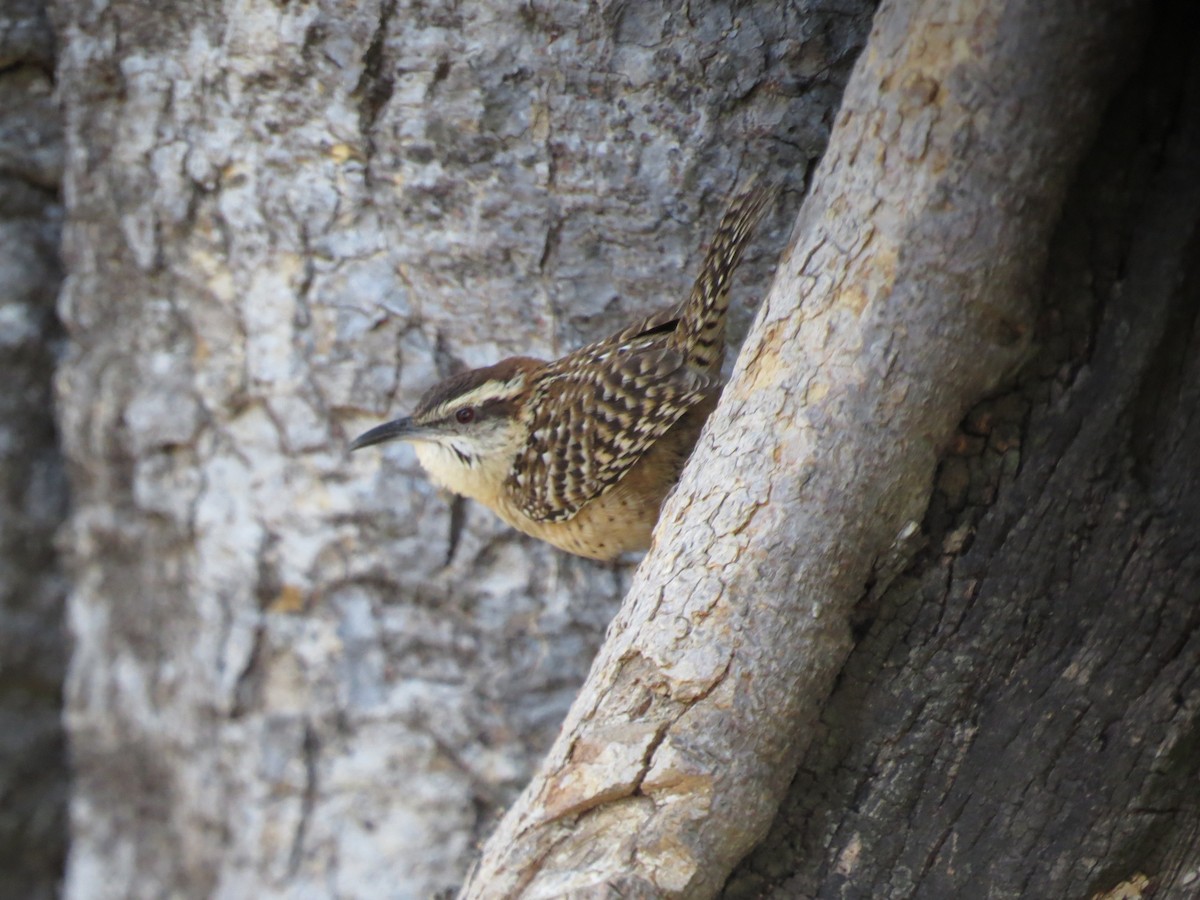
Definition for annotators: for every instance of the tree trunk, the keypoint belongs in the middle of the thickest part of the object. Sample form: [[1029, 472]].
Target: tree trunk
[[301, 673], [1019, 714], [33, 771]]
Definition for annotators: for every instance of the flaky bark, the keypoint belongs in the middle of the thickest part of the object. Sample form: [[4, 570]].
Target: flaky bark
[[908, 294], [297, 672], [288, 219]]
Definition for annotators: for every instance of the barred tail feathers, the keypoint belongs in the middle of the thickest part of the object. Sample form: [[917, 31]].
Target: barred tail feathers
[[701, 330]]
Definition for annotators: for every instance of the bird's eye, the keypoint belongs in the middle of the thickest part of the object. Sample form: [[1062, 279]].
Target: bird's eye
[[465, 415]]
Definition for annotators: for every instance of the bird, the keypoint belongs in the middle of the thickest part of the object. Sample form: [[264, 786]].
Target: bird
[[581, 451]]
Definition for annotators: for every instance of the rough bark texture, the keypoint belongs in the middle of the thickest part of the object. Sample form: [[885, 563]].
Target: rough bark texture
[[916, 260], [300, 674], [33, 776], [297, 673], [1020, 716]]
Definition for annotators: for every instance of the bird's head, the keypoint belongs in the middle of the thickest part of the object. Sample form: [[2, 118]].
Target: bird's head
[[464, 425]]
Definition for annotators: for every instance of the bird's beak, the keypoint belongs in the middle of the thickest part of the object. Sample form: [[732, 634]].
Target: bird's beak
[[396, 430]]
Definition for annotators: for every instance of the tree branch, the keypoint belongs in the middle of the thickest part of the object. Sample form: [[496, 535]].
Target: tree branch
[[906, 296]]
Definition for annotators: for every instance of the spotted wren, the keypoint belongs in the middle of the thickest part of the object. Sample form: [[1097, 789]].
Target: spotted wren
[[581, 452]]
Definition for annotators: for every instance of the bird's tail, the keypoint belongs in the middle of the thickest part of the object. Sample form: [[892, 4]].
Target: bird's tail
[[701, 329]]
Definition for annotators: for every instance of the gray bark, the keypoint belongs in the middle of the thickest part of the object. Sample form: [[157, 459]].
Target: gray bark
[[33, 775], [300, 673], [907, 296], [297, 672], [1018, 717]]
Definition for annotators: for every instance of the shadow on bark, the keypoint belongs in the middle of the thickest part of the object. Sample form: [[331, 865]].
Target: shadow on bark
[[33, 771], [1018, 717]]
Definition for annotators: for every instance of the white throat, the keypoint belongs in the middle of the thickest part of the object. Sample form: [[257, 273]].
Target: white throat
[[480, 478]]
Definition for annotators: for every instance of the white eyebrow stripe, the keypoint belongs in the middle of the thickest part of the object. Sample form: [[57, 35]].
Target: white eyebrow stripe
[[489, 390]]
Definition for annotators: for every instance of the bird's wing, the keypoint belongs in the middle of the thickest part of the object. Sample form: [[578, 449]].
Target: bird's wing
[[594, 413]]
